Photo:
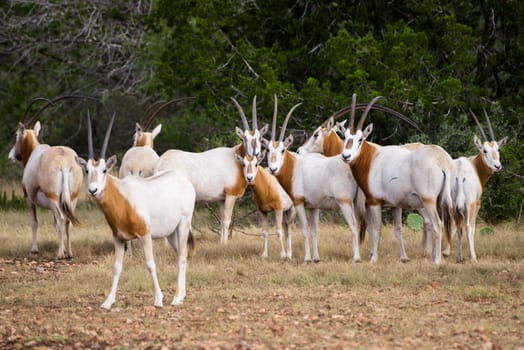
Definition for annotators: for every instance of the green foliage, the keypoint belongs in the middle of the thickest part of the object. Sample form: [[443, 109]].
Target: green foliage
[[13, 202], [487, 231], [415, 221]]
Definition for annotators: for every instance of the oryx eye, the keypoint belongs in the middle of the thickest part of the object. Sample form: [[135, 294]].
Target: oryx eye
[[315, 135], [105, 171], [485, 152]]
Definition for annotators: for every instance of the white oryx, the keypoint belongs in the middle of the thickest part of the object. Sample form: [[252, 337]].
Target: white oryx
[[51, 180], [398, 177], [472, 176], [142, 208], [140, 159], [269, 196], [316, 182], [215, 174], [326, 141]]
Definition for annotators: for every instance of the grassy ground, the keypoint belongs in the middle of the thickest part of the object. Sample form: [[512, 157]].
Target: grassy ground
[[238, 300]]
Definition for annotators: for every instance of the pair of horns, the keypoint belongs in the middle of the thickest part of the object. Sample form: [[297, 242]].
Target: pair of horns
[[245, 124], [90, 137], [151, 113], [284, 125], [490, 129], [47, 105], [367, 107]]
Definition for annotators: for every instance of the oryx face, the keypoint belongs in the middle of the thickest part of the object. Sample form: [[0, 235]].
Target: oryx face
[[353, 143], [490, 152], [252, 142], [275, 158], [24, 137], [97, 172], [315, 144], [250, 165]]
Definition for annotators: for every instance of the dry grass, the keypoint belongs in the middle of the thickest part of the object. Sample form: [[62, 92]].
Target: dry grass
[[238, 300]]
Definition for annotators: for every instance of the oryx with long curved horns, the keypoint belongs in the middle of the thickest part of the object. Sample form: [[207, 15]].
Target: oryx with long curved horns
[[160, 206], [472, 176], [399, 177], [51, 177], [315, 182]]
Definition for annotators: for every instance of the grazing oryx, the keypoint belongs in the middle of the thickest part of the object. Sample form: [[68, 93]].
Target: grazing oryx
[[472, 175], [141, 157], [326, 141], [145, 208], [51, 180], [269, 196], [398, 177], [215, 174], [316, 182]]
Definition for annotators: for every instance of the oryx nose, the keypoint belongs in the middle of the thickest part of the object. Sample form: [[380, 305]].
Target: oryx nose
[[346, 157], [250, 179], [91, 191], [273, 170], [498, 166]]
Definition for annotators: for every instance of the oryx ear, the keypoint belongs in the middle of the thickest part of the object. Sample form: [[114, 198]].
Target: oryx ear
[[82, 162], [239, 158], [263, 130], [477, 142], [288, 141], [36, 128], [111, 162], [340, 127], [329, 125], [261, 157], [156, 131], [138, 128], [367, 131], [502, 142], [239, 132]]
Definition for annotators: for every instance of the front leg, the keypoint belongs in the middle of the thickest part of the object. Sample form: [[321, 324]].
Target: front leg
[[313, 226], [397, 223], [301, 213], [117, 270], [263, 218], [374, 223]]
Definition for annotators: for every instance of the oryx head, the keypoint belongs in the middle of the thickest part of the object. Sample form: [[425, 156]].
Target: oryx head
[[26, 140], [145, 138], [277, 148], [489, 149], [251, 137], [250, 165], [97, 170], [315, 143]]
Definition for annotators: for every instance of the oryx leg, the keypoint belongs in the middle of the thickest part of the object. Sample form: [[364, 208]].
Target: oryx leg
[[147, 244], [313, 229], [374, 226], [60, 229], [348, 212], [459, 244], [289, 217], [34, 226], [226, 212], [302, 217], [279, 218], [69, 250], [265, 233], [397, 221], [470, 231], [181, 236], [436, 227], [117, 270]]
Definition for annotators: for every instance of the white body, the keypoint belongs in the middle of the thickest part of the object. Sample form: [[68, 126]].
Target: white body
[[317, 182], [215, 175], [51, 180], [155, 207]]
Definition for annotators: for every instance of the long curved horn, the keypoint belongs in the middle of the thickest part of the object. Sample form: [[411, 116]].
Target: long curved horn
[[90, 137], [254, 115], [479, 126], [52, 102], [283, 130], [351, 123], [161, 108], [31, 104], [149, 110], [106, 138], [490, 129], [366, 111], [242, 114], [274, 125]]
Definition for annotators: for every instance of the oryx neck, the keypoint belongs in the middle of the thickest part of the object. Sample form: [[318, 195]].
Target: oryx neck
[[28, 145], [361, 167], [483, 171], [333, 145]]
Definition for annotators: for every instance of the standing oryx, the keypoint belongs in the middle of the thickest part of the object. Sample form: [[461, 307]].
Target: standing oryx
[[145, 208], [316, 182], [51, 180], [269, 196], [398, 177], [472, 175], [215, 174]]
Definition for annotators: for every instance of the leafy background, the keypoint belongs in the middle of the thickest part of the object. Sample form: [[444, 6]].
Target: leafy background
[[431, 60]]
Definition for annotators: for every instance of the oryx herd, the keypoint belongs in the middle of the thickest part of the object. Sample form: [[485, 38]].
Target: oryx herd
[[154, 196]]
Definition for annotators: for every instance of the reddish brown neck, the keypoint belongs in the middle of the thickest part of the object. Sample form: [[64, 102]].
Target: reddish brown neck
[[28, 145], [483, 171]]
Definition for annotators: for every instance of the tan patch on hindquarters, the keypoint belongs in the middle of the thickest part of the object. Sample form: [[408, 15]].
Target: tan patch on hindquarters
[[120, 214]]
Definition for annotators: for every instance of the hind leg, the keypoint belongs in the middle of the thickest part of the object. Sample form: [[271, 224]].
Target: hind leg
[[181, 235], [397, 220], [147, 243], [34, 227]]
